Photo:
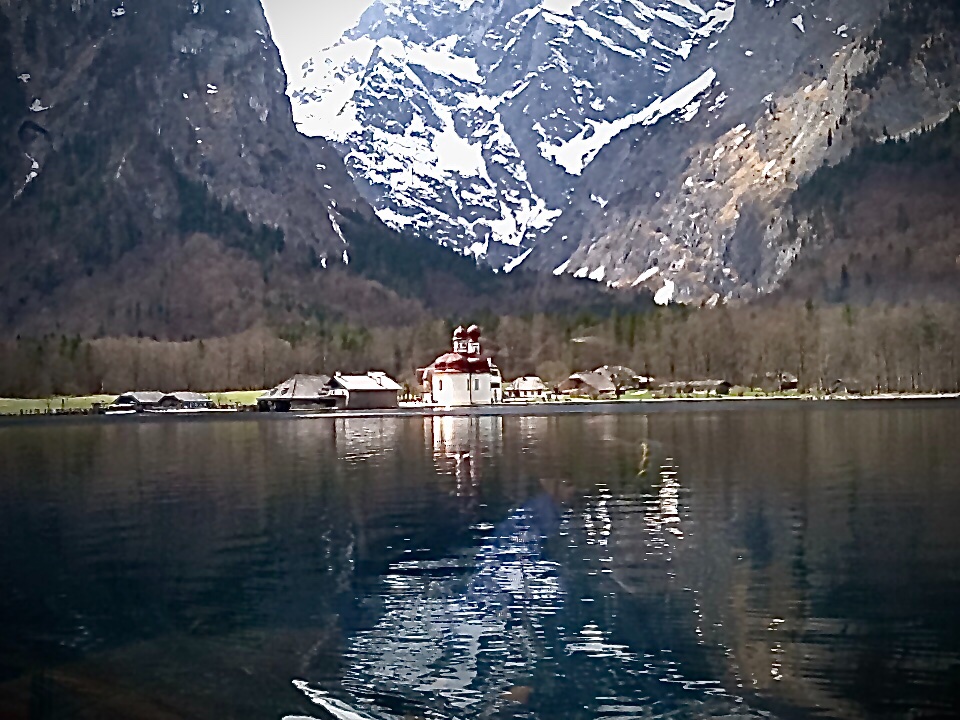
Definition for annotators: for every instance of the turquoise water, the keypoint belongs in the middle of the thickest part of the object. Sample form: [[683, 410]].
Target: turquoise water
[[780, 561]]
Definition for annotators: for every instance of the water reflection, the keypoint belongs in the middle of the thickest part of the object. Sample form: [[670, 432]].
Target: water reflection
[[460, 446], [456, 635], [484, 632], [786, 562]]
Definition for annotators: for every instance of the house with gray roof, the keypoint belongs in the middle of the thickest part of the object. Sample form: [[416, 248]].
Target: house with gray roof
[[300, 392], [529, 386], [588, 384], [185, 400], [138, 400], [375, 390]]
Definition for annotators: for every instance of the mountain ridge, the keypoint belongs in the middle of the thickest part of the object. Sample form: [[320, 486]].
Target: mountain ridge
[[152, 182], [677, 188], [446, 91]]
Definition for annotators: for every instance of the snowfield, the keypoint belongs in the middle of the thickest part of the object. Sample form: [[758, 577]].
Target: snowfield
[[473, 128]]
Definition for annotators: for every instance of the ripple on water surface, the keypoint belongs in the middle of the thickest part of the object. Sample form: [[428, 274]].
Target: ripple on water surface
[[774, 563]]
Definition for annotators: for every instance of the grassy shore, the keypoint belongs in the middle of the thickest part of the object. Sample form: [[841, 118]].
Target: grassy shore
[[16, 406], [735, 392], [243, 398], [40, 406]]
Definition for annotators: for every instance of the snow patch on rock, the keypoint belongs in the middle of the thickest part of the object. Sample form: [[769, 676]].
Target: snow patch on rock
[[666, 295], [575, 154]]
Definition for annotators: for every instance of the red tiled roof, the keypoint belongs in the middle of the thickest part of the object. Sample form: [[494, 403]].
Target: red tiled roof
[[455, 362]]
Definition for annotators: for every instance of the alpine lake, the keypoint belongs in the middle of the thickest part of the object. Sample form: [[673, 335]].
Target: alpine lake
[[703, 560]]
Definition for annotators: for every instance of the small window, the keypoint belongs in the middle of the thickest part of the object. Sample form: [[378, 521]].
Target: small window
[[476, 384], [439, 384]]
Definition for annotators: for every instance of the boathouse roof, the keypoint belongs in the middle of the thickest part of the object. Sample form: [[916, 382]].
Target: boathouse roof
[[372, 381], [299, 387], [595, 380], [528, 383], [187, 396], [139, 397]]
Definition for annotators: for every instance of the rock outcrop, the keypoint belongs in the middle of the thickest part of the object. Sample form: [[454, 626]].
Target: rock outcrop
[[638, 146], [152, 181]]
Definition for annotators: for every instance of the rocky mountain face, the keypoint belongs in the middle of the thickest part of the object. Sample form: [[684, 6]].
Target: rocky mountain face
[[472, 122], [654, 145], [152, 181], [150, 169]]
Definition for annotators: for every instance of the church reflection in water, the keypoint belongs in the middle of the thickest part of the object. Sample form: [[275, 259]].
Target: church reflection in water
[[462, 632], [542, 598], [460, 446]]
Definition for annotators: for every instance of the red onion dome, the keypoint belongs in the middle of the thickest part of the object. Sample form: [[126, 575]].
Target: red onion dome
[[459, 333], [473, 333]]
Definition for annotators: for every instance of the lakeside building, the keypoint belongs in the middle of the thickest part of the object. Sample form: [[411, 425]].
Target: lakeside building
[[691, 387], [373, 391], [625, 378], [154, 401], [588, 384], [138, 400], [777, 382], [527, 387], [463, 377], [300, 392], [185, 400]]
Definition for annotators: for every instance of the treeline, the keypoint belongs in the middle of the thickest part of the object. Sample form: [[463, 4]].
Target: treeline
[[874, 349]]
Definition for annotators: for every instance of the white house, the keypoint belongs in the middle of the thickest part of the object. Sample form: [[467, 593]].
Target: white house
[[529, 386]]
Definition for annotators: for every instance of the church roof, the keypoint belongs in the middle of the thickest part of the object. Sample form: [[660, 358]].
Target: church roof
[[456, 362]]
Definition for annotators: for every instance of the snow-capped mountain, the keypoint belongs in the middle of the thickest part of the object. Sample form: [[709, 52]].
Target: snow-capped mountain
[[471, 121], [152, 182], [635, 143]]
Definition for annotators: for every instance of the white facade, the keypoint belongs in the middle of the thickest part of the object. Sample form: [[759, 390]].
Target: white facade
[[458, 389], [462, 378]]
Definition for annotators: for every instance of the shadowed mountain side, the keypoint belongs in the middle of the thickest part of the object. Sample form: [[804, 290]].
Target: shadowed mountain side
[[882, 224], [199, 285]]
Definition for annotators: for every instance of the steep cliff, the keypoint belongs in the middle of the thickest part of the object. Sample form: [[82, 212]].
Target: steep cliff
[[653, 146], [152, 182], [151, 175], [707, 210]]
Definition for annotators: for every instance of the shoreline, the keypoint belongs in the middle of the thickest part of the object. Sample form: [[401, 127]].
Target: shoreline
[[532, 409]]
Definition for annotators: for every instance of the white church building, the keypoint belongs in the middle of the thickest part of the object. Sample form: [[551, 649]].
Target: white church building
[[464, 377]]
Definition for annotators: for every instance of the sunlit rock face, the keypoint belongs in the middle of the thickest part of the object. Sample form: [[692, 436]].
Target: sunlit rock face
[[473, 122], [645, 145]]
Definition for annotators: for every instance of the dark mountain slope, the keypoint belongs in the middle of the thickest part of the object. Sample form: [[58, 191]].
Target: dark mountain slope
[[129, 132], [883, 225]]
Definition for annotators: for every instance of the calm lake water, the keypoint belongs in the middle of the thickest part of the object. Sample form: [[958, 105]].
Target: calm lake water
[[776, 561]]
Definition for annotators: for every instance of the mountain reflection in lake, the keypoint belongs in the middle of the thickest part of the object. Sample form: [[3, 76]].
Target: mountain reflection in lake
[[781, 561]]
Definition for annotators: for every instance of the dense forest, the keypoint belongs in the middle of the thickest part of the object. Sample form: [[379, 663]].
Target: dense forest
[[881, 225], [872, 349]]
